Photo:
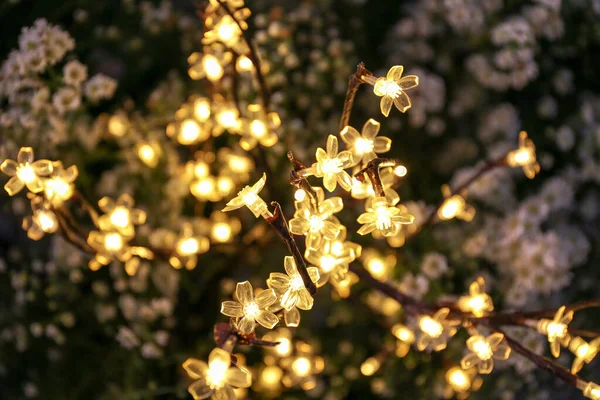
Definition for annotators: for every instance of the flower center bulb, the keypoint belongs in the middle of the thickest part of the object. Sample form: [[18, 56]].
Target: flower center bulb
[[251, 310], [189, 131], [296, 283], [522, 156], [316, 223], [301, 366], [556, 330], [221, 232], [188, 246], [215, 376], [46, 221], [391, 89], [26, 173], [120, 217], [58, 187], [258, 128], [330, 166], [383, 219], [482, 349], [327, 263], [113, 242], [431, 327], [363, 146]]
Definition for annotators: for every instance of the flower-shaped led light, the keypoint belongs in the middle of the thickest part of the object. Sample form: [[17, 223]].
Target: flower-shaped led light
[[249, 197], [584, 352], [302, 367], [192, 123], [283, 336], [206, 189], [556, 329], [378, 266], [223, 228], [364, 189], [187, 246], [477, 302], [59, 187], [436, 330], [316, 221], [290, 285], [109, 245], [330, 166], [367, 144], [455, 206], [42, 221], [260, 128], [120, 215], [224, 29], [382, 218], [591, 390], [148, 152], [208, 65], [217, 378], [484, 351], [25, 172], [392, 89], [461, 382], [248, 310], [524, 156]]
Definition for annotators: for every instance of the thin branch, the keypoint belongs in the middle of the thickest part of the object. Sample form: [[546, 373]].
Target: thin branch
[[372, 171], [279, 223], [354, 83], [301, 182]]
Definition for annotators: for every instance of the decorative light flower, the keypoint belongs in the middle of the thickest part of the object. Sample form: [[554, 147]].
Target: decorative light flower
[[223, 229], [302, 367], [378, 266], [283, 336], [217, 378], [367, 144], [208, 65], [59, 187], [226, 116], [436, 330], [109, 245], [291, 286], [42, 221], [148, 152], [224, 29], [330, 166], [260, 128], [524, 156], [364, 190], [556, 329], [382, 218], [316, 221], [249, 197], [206, 189], [392, 89], [25, 172], [455, 206], [186, 246], [591, 391], [477, 302], [120, 215], [484, 351], [584, 352], [248, 310], [460, 382], [192, 123]]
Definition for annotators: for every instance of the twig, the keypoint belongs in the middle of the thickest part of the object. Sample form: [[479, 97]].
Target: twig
[[301, 182], [372, 171], [354, 83], [279, 223]]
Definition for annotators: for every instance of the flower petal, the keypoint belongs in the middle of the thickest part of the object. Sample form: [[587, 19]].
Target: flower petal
[[292, 318], [332, 146], [238, 377], [225, 393], [494, 339], [278, 281], [321, 155], [200, 389], [366, 218], [42, 167], [370, 129], [382, 144], [349, 135], [35, 186], [232, 309], [265, 298], [267, 319], [313, 273], [195, 368], [330, 230], [289, 299], [366, 229], [299, 226], [469, 361], [502, 352], [486, 366], [8, 167], [14, 186], [246, 325], [409, 82], [331, 206], [386, 105], [243, 292], [258, 186], [330, 182], [402, 102], [314, 240], [395, 73], [25, 155], [344, 180], [305, 300]]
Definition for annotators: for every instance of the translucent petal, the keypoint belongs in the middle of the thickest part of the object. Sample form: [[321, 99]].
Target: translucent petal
[[503, 351], [366, 229], [423, 341], [9, 167], [577, 365], [278, 281], [42, 167], [14, 186], [299, 226], [248, 143], [258, 186], [330, 182], [485, 366], [331, 206], [366, 218], [346, 158], [265, 298], [35, 232], [106, 204], [137, 217], [409, 82], [330, 230], [438, 343], [71, 173], [292, 318], [469, 361], [232, 309], [243, 292], [25, 155], [382, 144], [386, 105], [313, 273], [441, 314], [290, 265], [567, 318], [269, 139], [238, 377], [370, 129], [349, 135], [246, 325], [225, 393], [321, 155], [267, 319], [35, 186], [332, 146], [305, 300], [314, 240], [402, 102], [200, 389], [289, 299], [195, 368], [395, 73], [344, 180], [126, 201], [494, 339], [403, 218]]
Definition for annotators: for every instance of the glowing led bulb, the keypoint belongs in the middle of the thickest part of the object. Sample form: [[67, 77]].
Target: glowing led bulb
[[117, 125], [244, 64], [584, 352], [212, 67], [228, 119], [458, 379], [300, 195], [403, 333], [477, 302], [26, 174], [57, 187], [392, 89], [258, 129], [455, 206], [147, 154], [400, 171], [436, 330], [189, 131], [431, 327], [249, 197], [201, 109], [524, 156], [483, 351], [556, 329], [188, 246], [120, 217], [591, 391], [370, 366], [301, 366], [113, 242], [221, 232], [271, 377], [46, 220]]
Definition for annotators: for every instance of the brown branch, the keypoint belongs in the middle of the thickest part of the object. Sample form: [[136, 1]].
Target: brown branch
[[301, 182], [354, 83], [280, 224], [227, 337], [372, 171]]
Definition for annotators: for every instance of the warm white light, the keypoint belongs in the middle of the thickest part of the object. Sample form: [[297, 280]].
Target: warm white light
[[26, 173], [113, 242]]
